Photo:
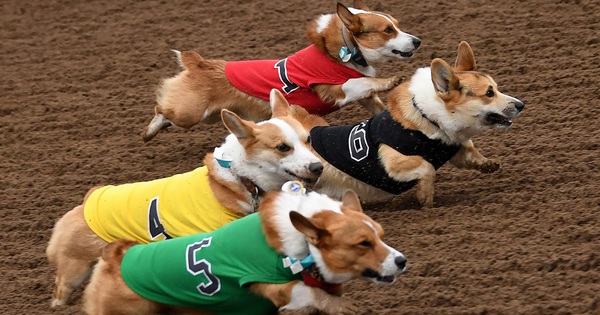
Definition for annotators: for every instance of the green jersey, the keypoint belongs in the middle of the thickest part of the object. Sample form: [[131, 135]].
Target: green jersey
[[208, 271]]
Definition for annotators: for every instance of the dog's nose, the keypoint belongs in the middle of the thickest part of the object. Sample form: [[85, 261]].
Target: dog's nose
[[400, 261], [315, 168], [416, 42], [519, 105]]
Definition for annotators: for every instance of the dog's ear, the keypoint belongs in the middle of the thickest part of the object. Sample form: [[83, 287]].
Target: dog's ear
[[309, 227], [351, 21], [188, 59], [279, 105], [465, 60], [351, 201], [444, 79], [360, 5], [242, 129]]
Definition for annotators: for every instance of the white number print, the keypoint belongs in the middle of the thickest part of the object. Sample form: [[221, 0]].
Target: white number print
[[357, 142]]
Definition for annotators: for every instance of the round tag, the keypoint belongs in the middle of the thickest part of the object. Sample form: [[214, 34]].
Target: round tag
[[294, 187]]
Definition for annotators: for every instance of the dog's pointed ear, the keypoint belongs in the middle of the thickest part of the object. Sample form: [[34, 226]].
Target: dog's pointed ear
[[242, 129], [309, 227], [351, 201], [279, 105], [188, 59], [360, 5], [351, 21], [465, 59], [444, 79]]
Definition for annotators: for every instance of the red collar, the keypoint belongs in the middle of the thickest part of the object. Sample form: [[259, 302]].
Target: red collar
[[313, 278]]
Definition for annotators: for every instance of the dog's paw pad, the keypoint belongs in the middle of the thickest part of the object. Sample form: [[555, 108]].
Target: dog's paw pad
[[490, 166]]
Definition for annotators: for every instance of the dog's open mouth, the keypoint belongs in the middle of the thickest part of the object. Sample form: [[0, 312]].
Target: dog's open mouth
[[402, 54], [305, 180], [497, 119], [385, 279]]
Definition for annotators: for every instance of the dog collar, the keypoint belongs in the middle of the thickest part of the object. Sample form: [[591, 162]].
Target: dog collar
[[219, 156], [414, 102], [349, 51], [253, 189], [310, 274], [313, 278]]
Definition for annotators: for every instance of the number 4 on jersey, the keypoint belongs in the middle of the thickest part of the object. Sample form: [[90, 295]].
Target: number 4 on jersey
[[155, 227]]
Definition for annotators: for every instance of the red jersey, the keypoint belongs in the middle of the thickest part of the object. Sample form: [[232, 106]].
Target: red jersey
[[293, 76]]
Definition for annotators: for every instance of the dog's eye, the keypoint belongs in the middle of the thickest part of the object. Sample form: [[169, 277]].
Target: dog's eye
[[283, 147], [308, 139], [490, 92], [366, 243], [388, 30]]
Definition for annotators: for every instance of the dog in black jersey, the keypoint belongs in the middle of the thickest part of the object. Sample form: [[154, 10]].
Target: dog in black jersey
[[429, 121]]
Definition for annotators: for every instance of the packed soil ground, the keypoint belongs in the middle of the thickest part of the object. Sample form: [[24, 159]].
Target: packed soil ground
[[77, 82]]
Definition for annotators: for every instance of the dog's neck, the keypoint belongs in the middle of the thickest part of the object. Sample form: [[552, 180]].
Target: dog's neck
[[287, 240], [330, 36], [426, 109]]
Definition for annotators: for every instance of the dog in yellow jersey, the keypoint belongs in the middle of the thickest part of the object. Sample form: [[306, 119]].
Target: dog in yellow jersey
[[255, 158]]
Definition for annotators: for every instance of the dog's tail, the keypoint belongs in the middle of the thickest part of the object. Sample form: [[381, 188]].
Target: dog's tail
[[113, 253], [188, 59]]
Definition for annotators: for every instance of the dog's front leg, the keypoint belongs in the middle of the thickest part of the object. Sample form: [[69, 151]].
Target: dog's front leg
[[296, 297], [372, 104], [405, 168], [469, 158], [357, 89]]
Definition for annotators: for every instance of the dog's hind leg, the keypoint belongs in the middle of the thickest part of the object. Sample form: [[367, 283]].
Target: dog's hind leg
[[73, 249], [158, 123]]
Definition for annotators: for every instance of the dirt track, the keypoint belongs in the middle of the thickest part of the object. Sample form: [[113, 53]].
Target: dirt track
[[77, 87]]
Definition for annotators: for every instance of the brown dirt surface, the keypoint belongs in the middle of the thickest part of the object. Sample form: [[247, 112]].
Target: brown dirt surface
[[77, 87]]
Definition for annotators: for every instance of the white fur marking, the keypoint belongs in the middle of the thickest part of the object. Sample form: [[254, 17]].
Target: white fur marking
[[323, 22], [302, 297]]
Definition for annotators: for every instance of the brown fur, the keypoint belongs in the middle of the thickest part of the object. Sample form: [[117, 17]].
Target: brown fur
[[465, 96], [74, 248], [347, 244], [201, 90]]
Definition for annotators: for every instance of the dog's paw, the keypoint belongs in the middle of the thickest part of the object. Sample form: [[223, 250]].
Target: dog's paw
[[395, 81], [489, 166], [342, 306]]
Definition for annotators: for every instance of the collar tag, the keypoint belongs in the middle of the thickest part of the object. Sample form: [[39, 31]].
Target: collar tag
[[346, 54], [218, 154], [294, 187], [295, 265]]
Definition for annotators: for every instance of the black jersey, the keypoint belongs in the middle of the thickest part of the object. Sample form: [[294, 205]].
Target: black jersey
[[353, 149]]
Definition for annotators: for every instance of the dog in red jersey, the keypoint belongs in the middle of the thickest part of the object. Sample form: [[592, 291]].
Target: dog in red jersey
[[338, 68]]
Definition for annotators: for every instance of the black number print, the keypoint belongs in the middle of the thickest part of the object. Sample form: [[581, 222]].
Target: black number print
[[196, 267], [155, 227], [288, 86]]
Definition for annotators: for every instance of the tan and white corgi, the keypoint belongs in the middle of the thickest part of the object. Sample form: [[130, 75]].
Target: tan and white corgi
[[255, 157], [336, 69], [262, 263], [429, 121]]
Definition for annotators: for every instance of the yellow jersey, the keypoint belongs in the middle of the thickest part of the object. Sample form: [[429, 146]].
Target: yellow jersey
[[155, 210]]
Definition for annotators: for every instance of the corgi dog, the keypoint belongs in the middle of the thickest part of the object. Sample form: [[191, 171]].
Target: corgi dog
[[282, 258], [338, 68], [429, 121], [255, 158]]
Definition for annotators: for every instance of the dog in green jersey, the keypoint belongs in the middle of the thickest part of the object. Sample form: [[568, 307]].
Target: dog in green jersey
[[255, 157], [255, 265]]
